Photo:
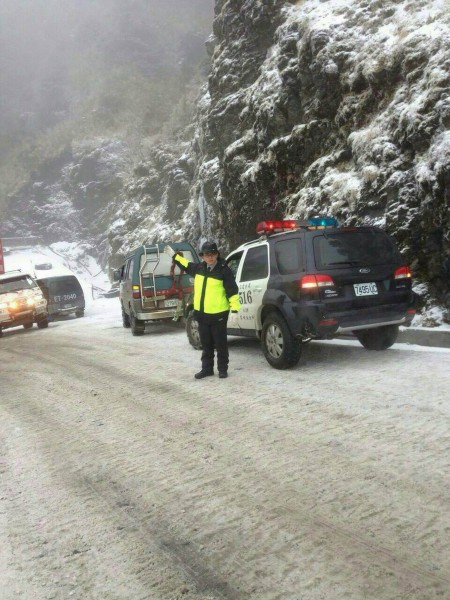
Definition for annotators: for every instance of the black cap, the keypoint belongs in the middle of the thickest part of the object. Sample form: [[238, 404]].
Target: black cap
[[209, 247]]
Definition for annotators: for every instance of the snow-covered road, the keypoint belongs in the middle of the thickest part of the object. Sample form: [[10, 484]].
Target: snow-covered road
[[122, 477]]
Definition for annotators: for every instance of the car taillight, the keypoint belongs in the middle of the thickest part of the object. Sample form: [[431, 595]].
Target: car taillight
[[136, 291], [402, 272], [309, 282]]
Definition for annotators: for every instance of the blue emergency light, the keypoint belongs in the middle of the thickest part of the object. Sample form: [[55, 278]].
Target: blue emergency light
[[323, 222]]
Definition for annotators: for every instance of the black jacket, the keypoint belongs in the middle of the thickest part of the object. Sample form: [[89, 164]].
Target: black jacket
[[215, 291]]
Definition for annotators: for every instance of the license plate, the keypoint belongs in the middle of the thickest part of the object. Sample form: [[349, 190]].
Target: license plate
[[168, 303], [365, 289]]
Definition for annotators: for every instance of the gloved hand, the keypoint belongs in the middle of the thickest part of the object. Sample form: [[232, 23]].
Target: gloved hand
[[170, 251]]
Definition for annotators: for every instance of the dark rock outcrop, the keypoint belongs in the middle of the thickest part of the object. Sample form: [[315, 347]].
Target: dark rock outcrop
[[330, 109]]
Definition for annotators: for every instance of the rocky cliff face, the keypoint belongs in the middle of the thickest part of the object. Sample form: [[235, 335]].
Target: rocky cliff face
[[337, 108]]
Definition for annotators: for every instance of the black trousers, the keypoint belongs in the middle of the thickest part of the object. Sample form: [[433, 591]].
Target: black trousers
[[213, 336]]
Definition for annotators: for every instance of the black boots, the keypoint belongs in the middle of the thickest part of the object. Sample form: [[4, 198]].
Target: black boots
[[202, 374]]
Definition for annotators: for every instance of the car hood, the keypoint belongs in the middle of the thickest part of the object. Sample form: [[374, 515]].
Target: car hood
[[11, 296]]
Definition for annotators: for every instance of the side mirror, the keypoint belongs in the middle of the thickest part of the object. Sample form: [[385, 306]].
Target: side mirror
[[116, 274]]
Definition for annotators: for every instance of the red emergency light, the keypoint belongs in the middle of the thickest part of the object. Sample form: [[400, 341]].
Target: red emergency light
[[276, 226]]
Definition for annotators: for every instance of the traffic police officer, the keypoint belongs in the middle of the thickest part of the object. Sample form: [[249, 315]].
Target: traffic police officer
[[215, 293]]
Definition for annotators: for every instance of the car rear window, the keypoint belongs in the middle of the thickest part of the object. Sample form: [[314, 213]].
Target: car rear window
[[63, 285], [165, 263], [354, 248]]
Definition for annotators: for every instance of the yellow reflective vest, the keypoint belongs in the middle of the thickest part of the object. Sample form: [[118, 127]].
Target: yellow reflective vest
[[215, 291]]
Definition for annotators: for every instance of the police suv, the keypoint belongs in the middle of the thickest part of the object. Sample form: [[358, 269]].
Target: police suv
[[313, 280]]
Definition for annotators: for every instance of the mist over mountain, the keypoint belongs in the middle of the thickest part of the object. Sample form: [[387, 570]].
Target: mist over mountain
[[55, 55], [75, 70], [131, 132]]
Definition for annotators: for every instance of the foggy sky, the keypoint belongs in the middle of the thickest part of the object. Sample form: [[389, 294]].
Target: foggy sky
[[43, 43]]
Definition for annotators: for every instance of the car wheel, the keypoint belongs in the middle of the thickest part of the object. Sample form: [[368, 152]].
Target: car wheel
[[280, 348], [42, 323], [27, 325], [137, 326], [379, 338], [193, 332], [79, 313], [125, 319]]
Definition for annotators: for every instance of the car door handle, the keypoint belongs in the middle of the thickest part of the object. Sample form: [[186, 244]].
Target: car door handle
[[257, 289]]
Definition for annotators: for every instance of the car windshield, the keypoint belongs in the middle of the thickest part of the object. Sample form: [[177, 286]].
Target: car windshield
[[354, 248], [16, 284]]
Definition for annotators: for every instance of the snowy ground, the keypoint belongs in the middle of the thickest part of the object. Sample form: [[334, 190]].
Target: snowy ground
[[124, 478]]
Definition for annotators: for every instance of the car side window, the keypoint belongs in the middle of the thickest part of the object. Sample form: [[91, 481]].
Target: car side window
[[256, 264], [288, 254], [129, 269], [233, 262]]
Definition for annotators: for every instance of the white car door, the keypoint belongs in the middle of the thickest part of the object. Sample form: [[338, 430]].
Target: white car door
[[234, 262], [252, 277]]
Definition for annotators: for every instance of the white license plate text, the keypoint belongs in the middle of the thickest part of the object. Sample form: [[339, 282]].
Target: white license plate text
[[365, 289]]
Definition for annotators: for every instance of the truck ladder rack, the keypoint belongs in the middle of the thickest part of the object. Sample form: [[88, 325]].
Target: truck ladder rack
[[151, 257]]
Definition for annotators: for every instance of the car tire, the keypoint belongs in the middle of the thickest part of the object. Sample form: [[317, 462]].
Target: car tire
[[281, 349], [27, 325], [125, 319], [379, 338], [79, 313], [193, 332], [42, 323], [137, 326]]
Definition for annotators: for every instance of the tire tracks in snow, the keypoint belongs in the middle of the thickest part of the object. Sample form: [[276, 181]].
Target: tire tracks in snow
[[221, 454]]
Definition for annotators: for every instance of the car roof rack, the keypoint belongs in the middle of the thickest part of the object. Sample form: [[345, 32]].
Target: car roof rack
[[14, 271]]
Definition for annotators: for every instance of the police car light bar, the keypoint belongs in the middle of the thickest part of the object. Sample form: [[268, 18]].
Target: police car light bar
[[276, 226], [266, 227]]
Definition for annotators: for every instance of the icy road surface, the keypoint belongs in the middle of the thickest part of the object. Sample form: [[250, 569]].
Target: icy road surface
[[124, 478]]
